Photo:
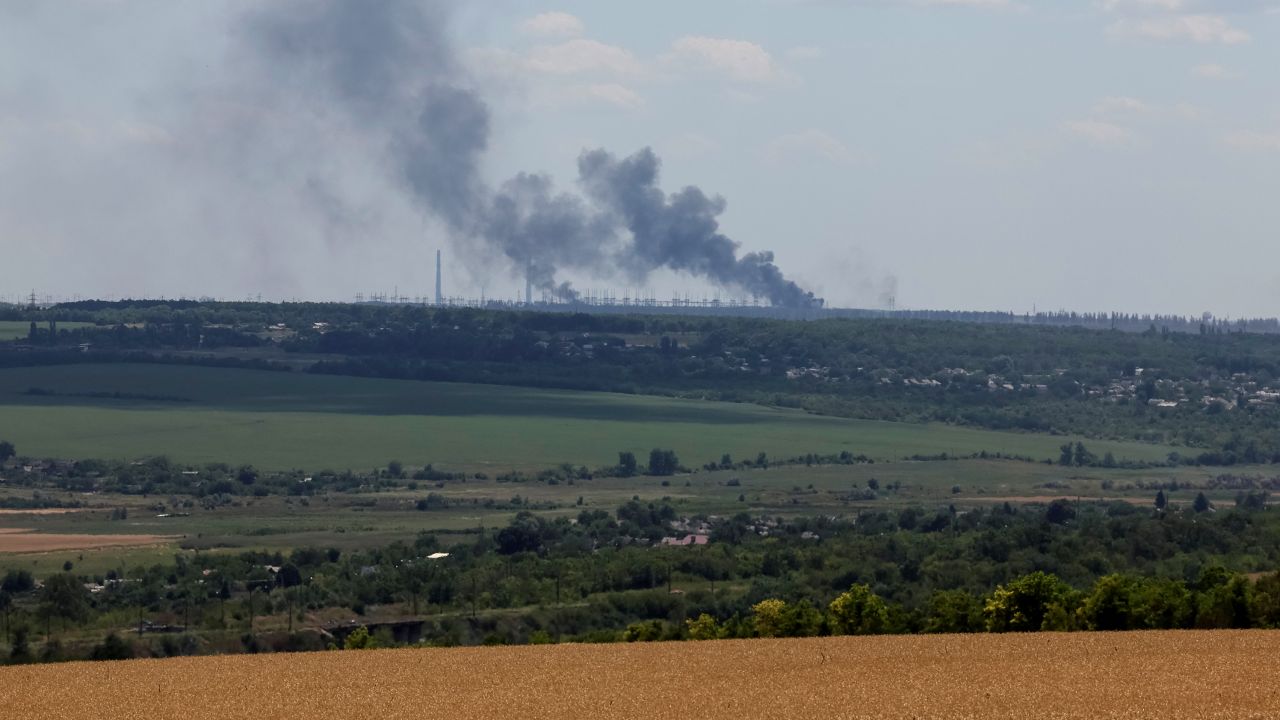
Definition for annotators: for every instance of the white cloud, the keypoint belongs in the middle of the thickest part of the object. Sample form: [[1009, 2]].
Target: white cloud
[[806, 145], [1099, 131], [1113, 119], [1132, 5], [580, 57], [554, 24], [1120, 104], [619, 96], [991, 4], [1017, 5], [1200, 29], [1210, 71], [1253, 140], [741, 60], [144, 133]]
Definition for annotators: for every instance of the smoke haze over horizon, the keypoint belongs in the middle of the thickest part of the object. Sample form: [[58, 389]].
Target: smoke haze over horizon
[[391, 67], [1116, 156]]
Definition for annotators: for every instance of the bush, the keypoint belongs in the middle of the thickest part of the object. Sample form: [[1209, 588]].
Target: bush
[[360, 639], [112, 648], [704, 628]]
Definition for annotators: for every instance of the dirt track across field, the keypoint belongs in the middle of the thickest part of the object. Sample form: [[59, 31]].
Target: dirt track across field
[[1226, 675], [42, 511], [19, 540]]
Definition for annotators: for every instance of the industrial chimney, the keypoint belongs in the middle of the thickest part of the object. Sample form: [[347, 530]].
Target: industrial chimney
[[439, 288]]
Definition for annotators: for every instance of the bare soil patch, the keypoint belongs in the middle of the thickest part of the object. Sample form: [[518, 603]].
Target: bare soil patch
[[43, 511], [20, 540]]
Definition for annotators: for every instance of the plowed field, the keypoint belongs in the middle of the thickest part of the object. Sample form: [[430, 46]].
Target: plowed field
[[18, 540]]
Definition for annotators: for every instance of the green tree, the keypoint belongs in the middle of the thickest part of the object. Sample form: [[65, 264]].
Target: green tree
[[20, 649], [1060, 512], [650, 631], [663, 462], [224, 594], [1082, 456], [1068, 455], [858, 611], [247, 475], [112, 648], [953, 611], [627, 466], [1265, 601], [1228, 605], [1161, 604], [1162, 502], [64, 597], [1022, 604], [360, 639], [801, 619], [1110, 605], [703, 628], [7, 451], [6, 607], [1201, 503], [768, 617], [17, 582]]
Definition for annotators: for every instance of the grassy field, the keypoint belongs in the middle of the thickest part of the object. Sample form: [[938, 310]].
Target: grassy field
[[13, 330], [287, 420], [1048, 675]]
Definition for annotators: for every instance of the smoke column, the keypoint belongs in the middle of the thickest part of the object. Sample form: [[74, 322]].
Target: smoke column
[[390, 67]]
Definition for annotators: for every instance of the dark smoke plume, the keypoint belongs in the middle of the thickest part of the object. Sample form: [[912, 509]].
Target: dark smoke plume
[[390, 67], [680, 232]]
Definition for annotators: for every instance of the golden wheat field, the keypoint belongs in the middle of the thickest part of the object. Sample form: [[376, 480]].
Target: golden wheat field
[[1144, 675]]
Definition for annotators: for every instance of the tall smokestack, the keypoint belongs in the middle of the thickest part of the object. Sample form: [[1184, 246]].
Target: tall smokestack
[[528, 287], [439, 287]]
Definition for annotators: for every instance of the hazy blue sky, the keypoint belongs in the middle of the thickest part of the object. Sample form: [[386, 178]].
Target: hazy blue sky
[[984, 154]]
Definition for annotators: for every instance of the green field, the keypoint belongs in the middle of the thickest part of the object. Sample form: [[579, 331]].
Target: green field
[[288, 420], [14, 330]]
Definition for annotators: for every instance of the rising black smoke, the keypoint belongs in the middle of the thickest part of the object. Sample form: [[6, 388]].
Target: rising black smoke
[[679, 232], [390, 67]]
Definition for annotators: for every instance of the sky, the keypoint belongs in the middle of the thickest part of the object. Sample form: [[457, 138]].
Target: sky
[[1088, 155]]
